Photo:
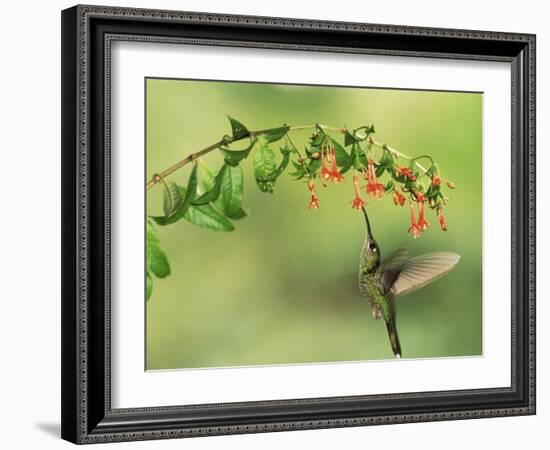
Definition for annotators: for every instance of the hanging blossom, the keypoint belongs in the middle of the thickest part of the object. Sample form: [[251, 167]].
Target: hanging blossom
[[414, 229], [374, 187], [422, 222], [442, 219], [329, 167], [358, 202], [314, 202], [335, 174], [406, 172], [404, 183], [398, 198], [326, 173]]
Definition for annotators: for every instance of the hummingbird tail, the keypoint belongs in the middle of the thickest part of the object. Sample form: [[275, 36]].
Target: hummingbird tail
[[394, 338]]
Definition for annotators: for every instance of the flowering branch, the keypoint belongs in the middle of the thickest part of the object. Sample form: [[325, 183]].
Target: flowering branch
[[225, 141], [213, 200]]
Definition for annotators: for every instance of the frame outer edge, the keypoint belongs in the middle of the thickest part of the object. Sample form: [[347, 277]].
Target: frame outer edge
[[532, 144], [75, 218], [69, 313]]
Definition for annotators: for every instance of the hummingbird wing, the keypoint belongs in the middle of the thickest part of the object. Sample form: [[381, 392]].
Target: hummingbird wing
[[422, 270], [390, 268]]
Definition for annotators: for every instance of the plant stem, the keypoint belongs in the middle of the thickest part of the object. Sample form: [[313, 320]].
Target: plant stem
[[226, 140], [399, 154]]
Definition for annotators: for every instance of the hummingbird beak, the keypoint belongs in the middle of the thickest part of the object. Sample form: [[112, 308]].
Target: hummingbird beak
[[369, 230]]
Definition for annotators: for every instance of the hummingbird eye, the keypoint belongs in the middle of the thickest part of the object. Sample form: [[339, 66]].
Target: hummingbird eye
[[372, 246]]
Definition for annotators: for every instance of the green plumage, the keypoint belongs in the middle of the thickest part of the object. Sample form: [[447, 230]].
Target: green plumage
[[373, 286], [381, 282]]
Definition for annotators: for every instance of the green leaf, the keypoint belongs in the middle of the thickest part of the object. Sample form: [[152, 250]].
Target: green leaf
[[238, 129], [433, 170], [208, 217], [184, 205], [148, 286], [356, 163], [276, 134], [239, 214], [363, 159], [342, 157], [172, 198], [300, 170], [298, 174], [359, 159], [264, 165], [281, 168], [213, 193], [204, 216], [380, 170], [232, 190], [297, 165], [313, 166], [234, 157], [348, 166], [349, 138], [387, 158], [157, 262], [206, 176], [319, 138]]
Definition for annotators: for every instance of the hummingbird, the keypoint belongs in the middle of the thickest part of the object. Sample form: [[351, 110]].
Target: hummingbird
[[381, 282]]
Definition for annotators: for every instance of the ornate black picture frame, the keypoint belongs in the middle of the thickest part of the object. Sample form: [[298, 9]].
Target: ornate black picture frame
[[87, 34]]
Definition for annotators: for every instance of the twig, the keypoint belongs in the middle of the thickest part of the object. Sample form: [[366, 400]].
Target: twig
[[226, 140]]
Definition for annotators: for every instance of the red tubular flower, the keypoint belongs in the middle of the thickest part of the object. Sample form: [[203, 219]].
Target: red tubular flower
[[374, 187], [422, 222], [442, 219], [407, 172], [414, 229], [325, 172], [398, 198], [358, 202], [436, 180], [314, 202], [335, 174]]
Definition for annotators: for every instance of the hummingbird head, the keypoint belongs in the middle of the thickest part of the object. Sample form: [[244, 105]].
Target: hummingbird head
[[371, 250]]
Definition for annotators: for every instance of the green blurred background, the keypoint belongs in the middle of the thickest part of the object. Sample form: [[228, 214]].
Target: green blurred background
[[282, 288]]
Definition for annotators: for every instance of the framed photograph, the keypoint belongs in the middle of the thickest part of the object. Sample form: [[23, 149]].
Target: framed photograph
[[279, 224]]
